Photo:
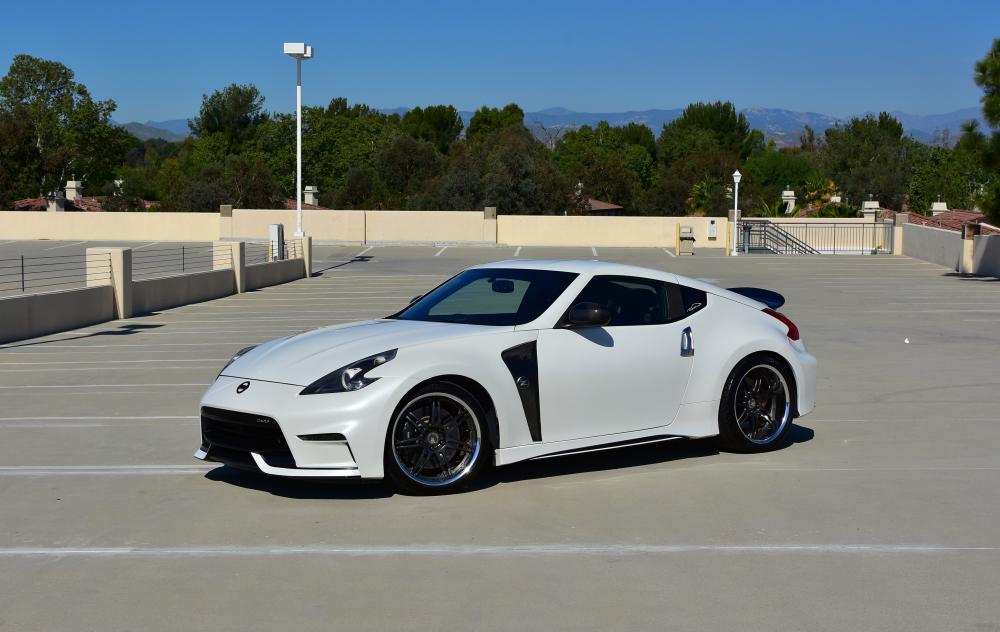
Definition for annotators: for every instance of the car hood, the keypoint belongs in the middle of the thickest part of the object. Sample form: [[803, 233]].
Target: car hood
[[304, 358]]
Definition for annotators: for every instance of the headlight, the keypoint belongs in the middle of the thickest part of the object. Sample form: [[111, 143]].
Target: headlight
[[239, 353], [352, 377]]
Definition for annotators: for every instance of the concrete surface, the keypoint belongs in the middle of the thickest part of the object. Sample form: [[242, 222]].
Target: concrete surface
[[882, 514]]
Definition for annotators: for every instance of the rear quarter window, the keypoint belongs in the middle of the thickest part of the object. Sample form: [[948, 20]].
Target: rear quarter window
[[693, 300]]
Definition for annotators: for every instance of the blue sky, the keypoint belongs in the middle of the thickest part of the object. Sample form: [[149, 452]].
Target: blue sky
[[156, 59]]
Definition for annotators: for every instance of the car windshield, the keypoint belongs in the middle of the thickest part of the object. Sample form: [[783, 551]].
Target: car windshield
[[490, 296]]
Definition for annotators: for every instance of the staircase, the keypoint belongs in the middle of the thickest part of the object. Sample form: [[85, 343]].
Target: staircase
[[767, 237]]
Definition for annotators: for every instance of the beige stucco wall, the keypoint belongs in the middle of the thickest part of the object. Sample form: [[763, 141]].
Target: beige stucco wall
[[155, 294], [40, 314], [986, 257], [274, 273], [321, 225], [109, 226], [943, 247], [556, 230], [425, 226]]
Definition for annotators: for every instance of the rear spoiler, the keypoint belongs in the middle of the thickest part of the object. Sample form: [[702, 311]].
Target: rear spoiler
[[767, 297]]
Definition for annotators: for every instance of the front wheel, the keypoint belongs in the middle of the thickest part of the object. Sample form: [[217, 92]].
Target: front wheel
[[437, 441], [755, 413]]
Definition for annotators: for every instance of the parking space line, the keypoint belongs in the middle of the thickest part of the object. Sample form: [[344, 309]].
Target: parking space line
[[669, 253], [593, 250], [100, 418], [487, 550], [200, 385], [517, 253], [4, 243], [103, 470], [438, 253], [65, 245], [364, 251]]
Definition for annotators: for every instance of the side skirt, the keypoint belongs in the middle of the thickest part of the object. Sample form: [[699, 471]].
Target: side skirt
[[609, 446], [505, 456]]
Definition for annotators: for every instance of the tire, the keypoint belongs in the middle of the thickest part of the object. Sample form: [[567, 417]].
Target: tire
[[757, 404], [437, 441]]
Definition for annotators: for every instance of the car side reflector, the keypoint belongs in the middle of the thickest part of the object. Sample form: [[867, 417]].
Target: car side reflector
[[793, 331]]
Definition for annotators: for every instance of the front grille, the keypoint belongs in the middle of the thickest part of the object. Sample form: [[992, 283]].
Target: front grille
[[242, 431]]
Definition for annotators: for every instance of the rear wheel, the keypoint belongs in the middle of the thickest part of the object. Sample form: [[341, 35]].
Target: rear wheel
[[755, 413], [437, 441]]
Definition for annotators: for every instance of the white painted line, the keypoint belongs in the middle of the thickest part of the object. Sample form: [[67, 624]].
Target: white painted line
[[188, 367], [487, 550], [65, 245], [104, 362], [98, 385], [593, 250], [96, 418], [669, 253], [50, 426], [357, 255], [152, 243], [102, 470], [4, 243], [438, 253], [517, 252]]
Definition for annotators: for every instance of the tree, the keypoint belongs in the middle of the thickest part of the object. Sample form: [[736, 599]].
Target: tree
[[233, 113], [20, 161], [708, 127], [440, 125], [404, 166], [770, 171], [613, 164], [953, 175], [488, 120], [870, 156], [985, 148], [72, 133]]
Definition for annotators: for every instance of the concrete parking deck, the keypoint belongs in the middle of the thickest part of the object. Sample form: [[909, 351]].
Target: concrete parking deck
[[882, 514]]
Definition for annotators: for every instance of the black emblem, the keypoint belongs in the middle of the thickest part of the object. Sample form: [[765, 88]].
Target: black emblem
[[242, 387]]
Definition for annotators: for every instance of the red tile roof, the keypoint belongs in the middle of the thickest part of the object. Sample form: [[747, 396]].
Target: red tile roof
[[598, 205], [952, 220], [85, 203]]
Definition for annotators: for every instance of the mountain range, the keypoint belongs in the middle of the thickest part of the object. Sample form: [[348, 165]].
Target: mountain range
[[782, 126]]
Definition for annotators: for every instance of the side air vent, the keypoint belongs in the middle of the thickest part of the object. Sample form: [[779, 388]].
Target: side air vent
[[522, 362]]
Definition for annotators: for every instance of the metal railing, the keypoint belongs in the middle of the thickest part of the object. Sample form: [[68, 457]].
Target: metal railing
[[792, 238], [168, 261], [258, 252], [27, 274]]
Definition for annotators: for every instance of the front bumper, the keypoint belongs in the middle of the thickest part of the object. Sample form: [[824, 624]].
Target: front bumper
[[270, 428]]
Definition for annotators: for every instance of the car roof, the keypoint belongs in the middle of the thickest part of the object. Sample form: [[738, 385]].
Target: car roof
[[580, 266], [593, 267]]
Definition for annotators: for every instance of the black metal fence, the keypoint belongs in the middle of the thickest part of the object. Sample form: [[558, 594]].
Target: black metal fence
[[793, 238], [29, 274], [170, 260], [267, 251]]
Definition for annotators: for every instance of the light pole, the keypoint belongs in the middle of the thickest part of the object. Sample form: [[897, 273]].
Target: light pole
[[736, 211], [299, 51]]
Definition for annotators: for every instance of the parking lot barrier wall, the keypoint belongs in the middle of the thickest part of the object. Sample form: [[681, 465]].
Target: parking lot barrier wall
[[936, 245], [150, 295], [106, 226], [986, 256], [237, 262], [30, 315], [273, 273], [613, 231], [120, 278]]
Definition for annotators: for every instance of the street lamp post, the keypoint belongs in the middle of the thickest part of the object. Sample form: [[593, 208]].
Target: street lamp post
[[736, 211], [299, 51]]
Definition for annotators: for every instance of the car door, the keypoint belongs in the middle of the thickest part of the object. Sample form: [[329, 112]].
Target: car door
[[628, 375]]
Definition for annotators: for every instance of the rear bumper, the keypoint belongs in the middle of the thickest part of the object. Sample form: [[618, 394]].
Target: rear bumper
[[805, 381]]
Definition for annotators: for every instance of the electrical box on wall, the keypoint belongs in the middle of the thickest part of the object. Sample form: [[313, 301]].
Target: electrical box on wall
[[713, 229]]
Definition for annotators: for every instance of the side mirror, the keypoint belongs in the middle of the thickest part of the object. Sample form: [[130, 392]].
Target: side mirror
[[589, 314], [416, 298]]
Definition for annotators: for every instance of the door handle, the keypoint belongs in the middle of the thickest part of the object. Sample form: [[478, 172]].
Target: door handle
[[687, 343]]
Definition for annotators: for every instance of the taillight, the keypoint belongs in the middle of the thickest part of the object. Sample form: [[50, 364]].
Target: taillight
[[793, 331]]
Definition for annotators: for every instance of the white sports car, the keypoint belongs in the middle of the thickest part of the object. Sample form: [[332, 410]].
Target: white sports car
[[510, 361]]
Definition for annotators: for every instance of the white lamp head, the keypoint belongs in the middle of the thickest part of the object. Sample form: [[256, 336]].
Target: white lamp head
[[737, 176], [298, 50]]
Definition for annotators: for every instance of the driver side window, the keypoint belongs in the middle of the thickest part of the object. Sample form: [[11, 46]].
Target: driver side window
[[629, 300]]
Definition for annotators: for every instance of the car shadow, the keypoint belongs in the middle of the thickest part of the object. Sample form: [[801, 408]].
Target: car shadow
[[622, 458], [616, 459], [302, 489]]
